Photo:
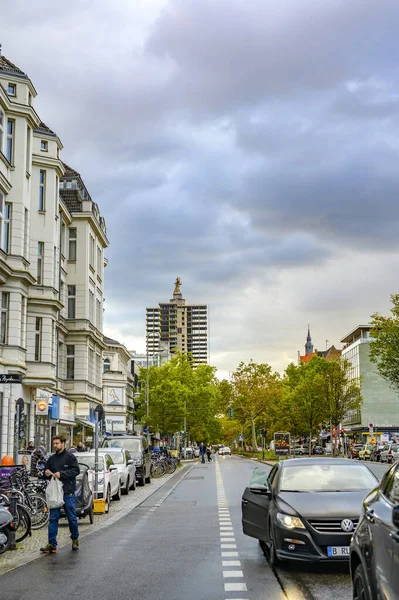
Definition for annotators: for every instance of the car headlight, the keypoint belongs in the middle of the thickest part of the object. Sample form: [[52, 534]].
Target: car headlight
[[138, 462], [290, 522]]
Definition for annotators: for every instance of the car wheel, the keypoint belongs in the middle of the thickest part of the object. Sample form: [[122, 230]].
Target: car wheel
[[148, 479], [133, 486], [125, 490], [360, 591], [118, 494], [271, 554], [108, 500]]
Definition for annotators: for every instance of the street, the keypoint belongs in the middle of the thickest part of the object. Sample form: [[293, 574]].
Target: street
[[183, 542]]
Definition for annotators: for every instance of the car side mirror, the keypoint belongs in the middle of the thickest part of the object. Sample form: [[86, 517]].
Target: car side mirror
[[130, 461], [395, 516], [113, 468], [264, 490]]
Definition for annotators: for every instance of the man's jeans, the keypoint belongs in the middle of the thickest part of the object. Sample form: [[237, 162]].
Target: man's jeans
[[69, 508]]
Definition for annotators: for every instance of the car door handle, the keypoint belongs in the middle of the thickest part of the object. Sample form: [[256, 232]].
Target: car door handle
[[370, 515], [395, 537], [244, 501]]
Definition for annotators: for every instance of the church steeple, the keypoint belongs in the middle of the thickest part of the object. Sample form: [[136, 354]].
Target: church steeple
[[309, 343], [177, 295]]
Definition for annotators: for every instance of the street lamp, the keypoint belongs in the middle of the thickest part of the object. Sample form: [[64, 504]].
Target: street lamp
[[147, 386]]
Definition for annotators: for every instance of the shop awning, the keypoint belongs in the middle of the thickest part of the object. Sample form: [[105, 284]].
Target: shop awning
[[85, 423]]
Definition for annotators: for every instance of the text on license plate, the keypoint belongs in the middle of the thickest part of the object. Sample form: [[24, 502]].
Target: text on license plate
[[338, 551]]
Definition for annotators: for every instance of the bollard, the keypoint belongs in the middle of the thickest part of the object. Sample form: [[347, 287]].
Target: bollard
[[13, 511]]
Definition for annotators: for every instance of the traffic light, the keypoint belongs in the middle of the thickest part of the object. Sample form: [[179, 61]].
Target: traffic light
[[230, 413], [263, 432]]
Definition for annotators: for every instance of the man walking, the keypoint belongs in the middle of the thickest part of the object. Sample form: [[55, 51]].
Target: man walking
[[202, 452], [63, 466]]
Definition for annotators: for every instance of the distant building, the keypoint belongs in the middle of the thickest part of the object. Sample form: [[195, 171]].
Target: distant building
[[330, 353], [380, 405], [118, 387], [183, 327]]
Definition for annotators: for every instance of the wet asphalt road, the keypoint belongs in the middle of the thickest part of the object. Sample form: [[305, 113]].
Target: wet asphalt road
[[187, 545]]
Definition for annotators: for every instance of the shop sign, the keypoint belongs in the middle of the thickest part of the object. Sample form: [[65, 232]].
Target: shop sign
[[10, 378], [115, 423], [115, 396], [67, 410], [83, 409], [42, 407]]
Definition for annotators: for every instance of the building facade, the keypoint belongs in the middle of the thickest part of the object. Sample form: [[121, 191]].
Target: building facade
[[380, 406], [118, 387], [52, 241], [179, 326]]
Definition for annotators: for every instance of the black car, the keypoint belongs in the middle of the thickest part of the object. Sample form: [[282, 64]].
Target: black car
[[137, 446], [306, 509], [374, 551]]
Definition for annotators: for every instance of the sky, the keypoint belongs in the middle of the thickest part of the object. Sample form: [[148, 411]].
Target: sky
[[249, 147]]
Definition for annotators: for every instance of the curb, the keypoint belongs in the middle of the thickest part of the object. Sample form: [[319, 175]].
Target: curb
[[120, 515]]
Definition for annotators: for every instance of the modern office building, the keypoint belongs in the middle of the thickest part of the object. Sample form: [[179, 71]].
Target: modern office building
[[181, 326], [380, 406]]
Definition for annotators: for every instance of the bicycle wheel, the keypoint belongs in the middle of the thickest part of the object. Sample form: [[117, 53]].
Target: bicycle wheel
[[171, 467], [22, 522], [5, 539], [39, 512]]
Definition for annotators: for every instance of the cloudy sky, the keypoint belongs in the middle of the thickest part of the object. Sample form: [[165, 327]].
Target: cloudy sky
[[248, 146]]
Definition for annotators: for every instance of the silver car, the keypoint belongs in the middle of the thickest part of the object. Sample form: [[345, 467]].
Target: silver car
[[390, 453], [125, 465]]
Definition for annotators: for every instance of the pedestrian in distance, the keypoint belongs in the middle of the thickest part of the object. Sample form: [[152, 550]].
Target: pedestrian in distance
[[202, 452], [80, 447], [64, 466], [209, 452], [38, 458], [31, 447]]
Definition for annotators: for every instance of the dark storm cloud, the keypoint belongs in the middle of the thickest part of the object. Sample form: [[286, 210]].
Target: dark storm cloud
[[248, 146]]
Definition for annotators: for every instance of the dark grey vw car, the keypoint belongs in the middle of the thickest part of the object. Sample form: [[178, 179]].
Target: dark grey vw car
[[306, 509]]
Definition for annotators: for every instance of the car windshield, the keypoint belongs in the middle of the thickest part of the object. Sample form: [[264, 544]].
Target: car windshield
[[394, 448], [89, 461], [117, 457], [131, 444], [326, 478]]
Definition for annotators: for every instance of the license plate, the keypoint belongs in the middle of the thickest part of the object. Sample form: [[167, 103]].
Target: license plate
[[333, 551]]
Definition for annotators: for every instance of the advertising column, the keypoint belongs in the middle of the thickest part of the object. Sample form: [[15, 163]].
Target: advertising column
[[66, 421]]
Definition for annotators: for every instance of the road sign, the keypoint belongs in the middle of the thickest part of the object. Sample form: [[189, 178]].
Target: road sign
[[10, 378], [241, 437]]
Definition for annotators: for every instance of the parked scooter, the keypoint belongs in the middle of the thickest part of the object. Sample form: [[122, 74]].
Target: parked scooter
[[5, 532]]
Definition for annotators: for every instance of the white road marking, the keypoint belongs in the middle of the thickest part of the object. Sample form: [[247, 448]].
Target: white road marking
[[235, 587], [226, 546], [231, 563], [233, 574], [229, 554]]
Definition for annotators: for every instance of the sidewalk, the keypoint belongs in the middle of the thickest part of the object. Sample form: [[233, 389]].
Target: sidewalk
[[27, 550]]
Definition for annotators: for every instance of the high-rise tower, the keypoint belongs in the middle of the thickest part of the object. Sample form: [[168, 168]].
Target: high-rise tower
[[184, 327]]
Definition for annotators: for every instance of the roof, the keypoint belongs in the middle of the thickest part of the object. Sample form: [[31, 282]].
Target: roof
[[9, 67], [69, 172], [111, 342], [72, 200], [355, 333], [307, 357], [45, 129]]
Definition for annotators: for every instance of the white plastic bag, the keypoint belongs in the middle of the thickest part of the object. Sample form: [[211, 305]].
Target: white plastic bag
[[55, 493]]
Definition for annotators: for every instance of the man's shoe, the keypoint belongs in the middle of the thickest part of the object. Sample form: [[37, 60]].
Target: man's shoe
[[48, 549], [75, 544]]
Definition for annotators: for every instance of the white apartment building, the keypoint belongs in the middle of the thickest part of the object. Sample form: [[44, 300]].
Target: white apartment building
[[118, 387], [52, 241]]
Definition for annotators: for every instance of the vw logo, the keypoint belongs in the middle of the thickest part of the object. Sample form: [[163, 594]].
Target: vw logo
[[347, 525]]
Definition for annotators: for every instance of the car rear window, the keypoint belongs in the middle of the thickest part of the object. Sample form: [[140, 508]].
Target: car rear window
[[326, 478], [131, 444]]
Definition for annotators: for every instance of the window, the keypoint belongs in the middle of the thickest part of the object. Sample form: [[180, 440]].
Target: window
[[5, 301], [72, 243], [5, 222], [91, 306], [40, 261], [28, 149], [10, 140], [12, 89], [99, 257], [38, 339], [391, 490], [98, 315], [62, 239], [70, 362], [2, 121], [92, 245], [44, 146], [91, 366], [23, 321], [55, 270], [106, 365], [42, 190], [26, 233], [71, 301]]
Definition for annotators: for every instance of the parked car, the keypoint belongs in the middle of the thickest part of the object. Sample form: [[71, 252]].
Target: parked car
[[365, 452], [196, 452], [376, 452], [224, 450], [125, 465], [302, 449], [318, 450], [306, 509], [354, 450], [390, 453], [374, 550], [137, 446], [109, 483], [188, 453]]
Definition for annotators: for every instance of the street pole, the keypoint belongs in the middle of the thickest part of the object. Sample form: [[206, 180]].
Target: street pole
[[96, 457], [185, 426], [147, 399], [263, 450]]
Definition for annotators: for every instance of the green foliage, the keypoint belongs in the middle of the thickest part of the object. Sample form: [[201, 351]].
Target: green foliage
[[384, 347]]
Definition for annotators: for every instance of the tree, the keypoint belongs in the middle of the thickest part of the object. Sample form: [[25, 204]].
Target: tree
[[384, 346], [255, 388]]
